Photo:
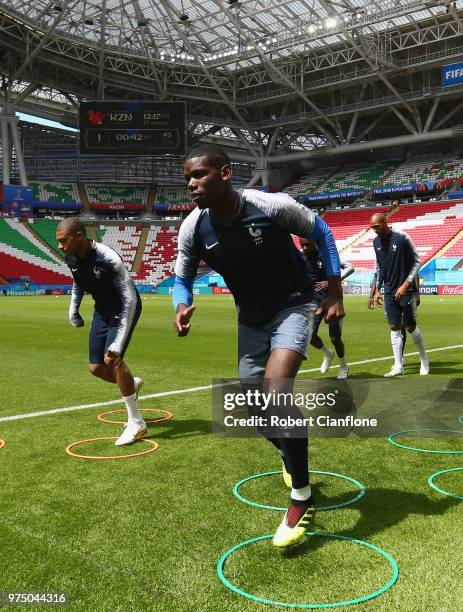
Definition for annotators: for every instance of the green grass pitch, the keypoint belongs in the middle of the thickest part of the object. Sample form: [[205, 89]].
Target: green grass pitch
[[146, 534]]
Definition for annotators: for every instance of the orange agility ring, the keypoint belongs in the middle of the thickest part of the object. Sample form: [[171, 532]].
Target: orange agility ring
[[2, 443], [169, 415], [68, 449]]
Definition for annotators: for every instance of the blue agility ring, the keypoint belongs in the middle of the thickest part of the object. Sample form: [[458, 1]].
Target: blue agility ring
[[438, 489], [425, 450], [237, 493], [348, 602], [460, 420]]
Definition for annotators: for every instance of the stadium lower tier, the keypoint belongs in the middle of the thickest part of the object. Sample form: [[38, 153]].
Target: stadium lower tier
[[29, 249]]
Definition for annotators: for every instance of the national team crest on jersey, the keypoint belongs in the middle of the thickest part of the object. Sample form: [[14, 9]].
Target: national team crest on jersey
[[394, 247], [256, 234], [97, 273]]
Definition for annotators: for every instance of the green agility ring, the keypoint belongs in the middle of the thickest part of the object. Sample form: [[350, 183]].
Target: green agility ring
[[460, 420], [438, 489], [360, 494], [336, 604], [425, 450]]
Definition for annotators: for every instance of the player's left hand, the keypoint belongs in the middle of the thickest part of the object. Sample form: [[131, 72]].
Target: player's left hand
[[333, 307], [111, 357]]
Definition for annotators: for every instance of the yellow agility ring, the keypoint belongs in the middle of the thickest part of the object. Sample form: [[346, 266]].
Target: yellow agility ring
[[169, 415], [69, 448], [2, 443]]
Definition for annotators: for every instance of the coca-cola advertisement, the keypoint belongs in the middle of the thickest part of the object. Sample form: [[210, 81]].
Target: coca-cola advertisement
[[450, 289], [220, 291]]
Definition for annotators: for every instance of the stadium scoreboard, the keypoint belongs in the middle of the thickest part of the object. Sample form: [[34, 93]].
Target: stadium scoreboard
[[132, 128]]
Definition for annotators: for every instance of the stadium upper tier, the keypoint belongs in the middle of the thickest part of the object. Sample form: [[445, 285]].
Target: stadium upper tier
[[29, 248], [427, 168], [116, 194], [172, 194], [55, 192], [418, 169]]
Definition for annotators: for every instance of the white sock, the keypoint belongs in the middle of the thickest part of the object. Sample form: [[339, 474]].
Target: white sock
[[326, 350], [396, 341], [301, 494], [342, 362], [419, 341], [132, 407]]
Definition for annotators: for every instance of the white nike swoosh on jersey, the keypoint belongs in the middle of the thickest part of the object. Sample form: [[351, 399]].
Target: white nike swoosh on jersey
[[73, 269], [210, 246]]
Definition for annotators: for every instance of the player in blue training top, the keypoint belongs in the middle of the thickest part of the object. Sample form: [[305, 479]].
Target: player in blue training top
[[246, 237], [98, 270], [397, 264], [371, 305], [318, 274]]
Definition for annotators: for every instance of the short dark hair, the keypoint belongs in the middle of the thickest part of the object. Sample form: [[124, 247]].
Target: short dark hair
[[215, 155], [72, 225]]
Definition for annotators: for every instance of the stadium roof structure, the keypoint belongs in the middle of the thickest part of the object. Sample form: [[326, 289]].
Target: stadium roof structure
[[271, 79]]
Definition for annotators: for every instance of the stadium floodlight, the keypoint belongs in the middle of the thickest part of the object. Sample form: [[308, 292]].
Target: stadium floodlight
[[331, 22]]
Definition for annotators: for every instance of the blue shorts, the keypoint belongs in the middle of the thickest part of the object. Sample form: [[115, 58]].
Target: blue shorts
[[403, 311], [289, 329], [334, 327], [103, 331]]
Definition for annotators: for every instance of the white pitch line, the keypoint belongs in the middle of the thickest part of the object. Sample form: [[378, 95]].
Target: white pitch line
[[435, 350], [30, 415]]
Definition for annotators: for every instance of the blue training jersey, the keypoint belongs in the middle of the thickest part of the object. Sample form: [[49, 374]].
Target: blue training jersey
[[103, 275], [397, 260], [318, 273], [255, 254]]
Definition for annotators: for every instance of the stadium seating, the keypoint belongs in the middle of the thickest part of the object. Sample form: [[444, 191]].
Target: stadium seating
[[428, 167], [349, 225], [123, 239], [116, 194], [159, 256], [456, 250], [359, 176], [173, 194], [23, 255], [46, 229], [429, 232], [309, 183], [55, 192]]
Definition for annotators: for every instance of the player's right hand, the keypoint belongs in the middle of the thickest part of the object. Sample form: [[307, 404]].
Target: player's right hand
[[378, 299], [75, 319], [182, 320], [371, 303]]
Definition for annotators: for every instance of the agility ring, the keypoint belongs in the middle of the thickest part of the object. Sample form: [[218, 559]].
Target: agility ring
[[460, 420], [425, 450], [359, 495], [69, 451], [348, 602], [433, 485], [169, 415], [2, 443]]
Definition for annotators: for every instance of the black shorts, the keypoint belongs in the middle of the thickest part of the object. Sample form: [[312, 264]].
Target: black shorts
[[403, 311], [103, 331]]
